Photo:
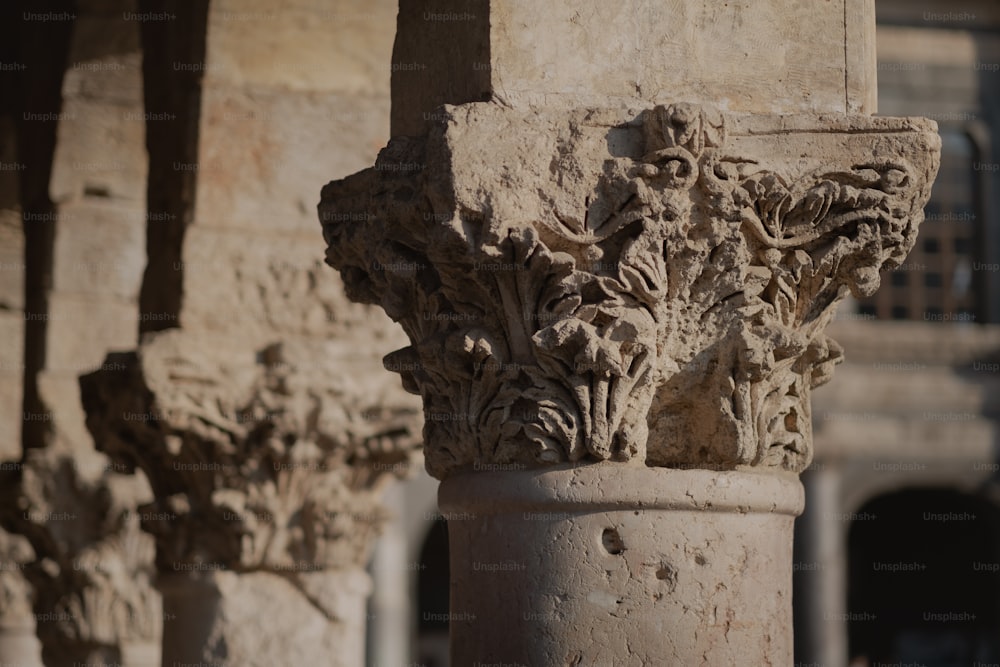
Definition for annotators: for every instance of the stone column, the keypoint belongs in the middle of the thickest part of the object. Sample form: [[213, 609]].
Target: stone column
[[254, 401], [91, 566], [823, 568], [390, 610], [614, 236]]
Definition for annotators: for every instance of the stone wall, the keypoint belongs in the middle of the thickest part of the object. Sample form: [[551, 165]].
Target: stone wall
[[254, 402], [185, 162]]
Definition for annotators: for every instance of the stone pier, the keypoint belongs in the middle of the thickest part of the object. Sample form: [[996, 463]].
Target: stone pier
[[90, 565], [614, 235], [254, 401]]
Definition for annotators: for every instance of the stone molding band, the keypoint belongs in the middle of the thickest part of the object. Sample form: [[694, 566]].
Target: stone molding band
[[603, 487]]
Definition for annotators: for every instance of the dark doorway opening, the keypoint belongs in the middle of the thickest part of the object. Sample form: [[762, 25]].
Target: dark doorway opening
[[924, 580]]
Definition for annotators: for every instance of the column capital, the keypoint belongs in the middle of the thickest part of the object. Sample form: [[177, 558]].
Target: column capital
[[264, 459], [644, 286], [89, 565]]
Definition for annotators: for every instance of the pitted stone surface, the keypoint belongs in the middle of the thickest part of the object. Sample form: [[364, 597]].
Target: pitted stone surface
[[621, 565]]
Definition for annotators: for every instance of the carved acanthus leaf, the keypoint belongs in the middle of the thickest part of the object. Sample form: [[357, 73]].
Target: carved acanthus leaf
[[653, 290]]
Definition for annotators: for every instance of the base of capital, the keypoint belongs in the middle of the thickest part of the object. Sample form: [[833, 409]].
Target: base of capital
[[620, 564]]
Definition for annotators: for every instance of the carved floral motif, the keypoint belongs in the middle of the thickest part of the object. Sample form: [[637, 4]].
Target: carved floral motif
[[675, 318]]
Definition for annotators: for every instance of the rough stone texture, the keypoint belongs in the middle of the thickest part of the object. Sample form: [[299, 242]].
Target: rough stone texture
[[761, 56], [617, 233], [92, 573], [621, 565], [258, 459], [11, 378], [92, 566], [261, 414], [11, 298], [271, 289], [250, 376], [18, 643], [285, 138], [218, 618], [257, 44], [266, 465], [645, 286]]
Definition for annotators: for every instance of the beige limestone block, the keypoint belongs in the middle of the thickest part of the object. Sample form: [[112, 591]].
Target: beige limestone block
[[316, 428], [83, 327], [11, 380], [259, 619], [101, 134], [11, 333], [258, 44], [62, 391], [760, 56], [287, 143], [626, 285], [272, 287], [11, 260], [99, 250]]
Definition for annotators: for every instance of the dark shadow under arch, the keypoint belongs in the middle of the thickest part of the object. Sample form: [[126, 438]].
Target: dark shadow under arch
[[924, 579]]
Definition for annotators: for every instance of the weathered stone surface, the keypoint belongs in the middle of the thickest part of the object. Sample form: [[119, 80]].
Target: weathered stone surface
[[101, 132], [83, 327], [11, 378], [18, 643], [271, 288], [98, 251], [260, 414], [288, 143], [760, 56], [12, 260], [621, 565], [256, 44], [259, 459], [267, 466], [601, 285], [12, 268], [15, 593], [217, 618], [92, 566]]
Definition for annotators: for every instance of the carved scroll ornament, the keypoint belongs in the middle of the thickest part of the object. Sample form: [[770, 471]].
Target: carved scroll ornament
[[581, 289]]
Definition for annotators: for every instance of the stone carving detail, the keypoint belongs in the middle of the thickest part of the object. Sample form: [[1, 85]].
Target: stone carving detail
[[266, 461], [676, 317], [15, 593], [91, 566]]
